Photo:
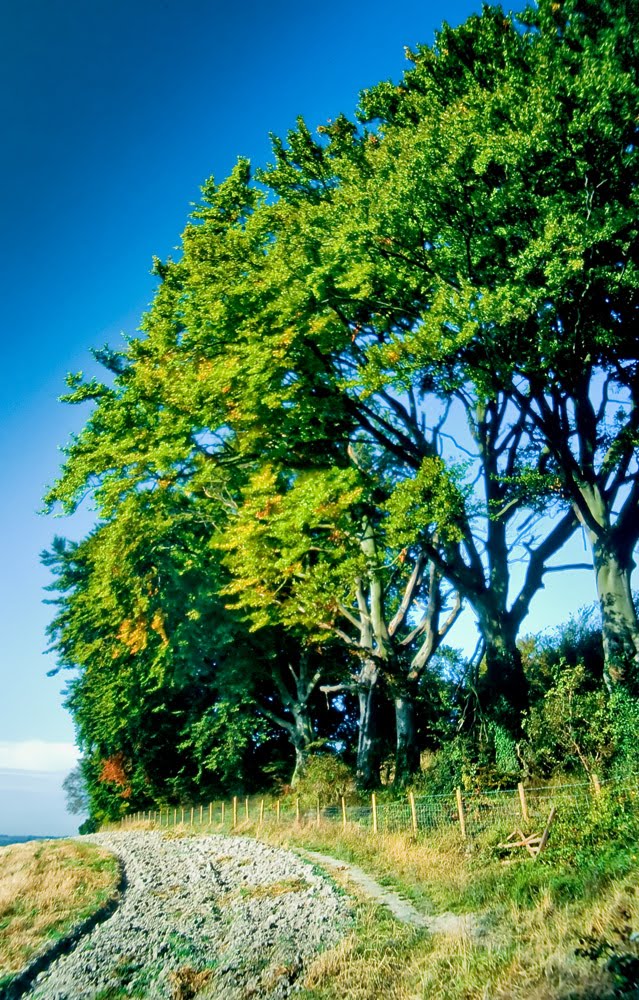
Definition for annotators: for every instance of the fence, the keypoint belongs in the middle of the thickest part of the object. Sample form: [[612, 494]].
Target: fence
[[471, 812]]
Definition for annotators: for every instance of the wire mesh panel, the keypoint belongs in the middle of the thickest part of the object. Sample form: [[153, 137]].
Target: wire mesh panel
[[471, 813], [436, 811]]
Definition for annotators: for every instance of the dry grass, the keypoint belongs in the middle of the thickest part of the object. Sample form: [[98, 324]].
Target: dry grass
[[187, 983], [527, 948], [274, 889], [46, 887], [530, 958]]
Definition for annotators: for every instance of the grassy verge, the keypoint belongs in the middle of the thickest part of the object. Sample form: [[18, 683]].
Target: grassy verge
[[536, 920], [45, 888]]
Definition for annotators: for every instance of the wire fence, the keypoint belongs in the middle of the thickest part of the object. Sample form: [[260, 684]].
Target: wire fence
[[472, 813]]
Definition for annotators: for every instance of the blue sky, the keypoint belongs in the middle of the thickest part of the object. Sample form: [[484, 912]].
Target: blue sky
[[113, 113]]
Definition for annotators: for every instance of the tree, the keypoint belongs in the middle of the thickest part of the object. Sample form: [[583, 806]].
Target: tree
[[76, 791], [403, 360], [532, 260], [316, 555]]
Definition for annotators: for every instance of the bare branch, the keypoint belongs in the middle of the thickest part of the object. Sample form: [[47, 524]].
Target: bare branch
[[412, 586]]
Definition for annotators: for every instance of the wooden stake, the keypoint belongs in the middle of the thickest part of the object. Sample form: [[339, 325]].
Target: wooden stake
[[374, 807], [210, 813], [182, 819], [596, 784], [261, 811], [234, 811], [277, 810], [544, 836], [524, 804], [413, 811], [343, 813], [223, 808], [175, 817], [460, 811], [191, 815]]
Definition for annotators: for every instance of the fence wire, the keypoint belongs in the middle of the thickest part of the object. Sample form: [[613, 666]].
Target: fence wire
[[473, 813]]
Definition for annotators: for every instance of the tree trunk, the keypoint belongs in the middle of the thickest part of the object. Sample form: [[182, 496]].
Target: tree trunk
[[368, 762], [302, 736], [301, 753], [503, 689], [406, 750], [620, 625]]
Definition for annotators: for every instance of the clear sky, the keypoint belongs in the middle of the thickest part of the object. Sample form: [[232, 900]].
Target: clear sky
[[113, 112]]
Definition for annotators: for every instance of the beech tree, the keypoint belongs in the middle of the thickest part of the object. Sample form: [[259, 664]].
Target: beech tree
[[536, 289], [317, 555], [397, 368]]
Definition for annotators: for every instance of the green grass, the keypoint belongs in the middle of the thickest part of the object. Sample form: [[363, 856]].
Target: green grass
[[46, 887]]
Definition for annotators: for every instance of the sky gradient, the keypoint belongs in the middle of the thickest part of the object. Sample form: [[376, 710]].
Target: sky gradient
[[113, 114]]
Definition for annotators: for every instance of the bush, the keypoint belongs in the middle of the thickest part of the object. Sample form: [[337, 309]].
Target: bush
[[571, 727], [326, 777]]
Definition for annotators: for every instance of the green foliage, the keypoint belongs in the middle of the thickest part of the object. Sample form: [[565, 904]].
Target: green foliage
[[326, 777], [275, 461], [482, 759], [570, 728], [431, 501], [227, 745]]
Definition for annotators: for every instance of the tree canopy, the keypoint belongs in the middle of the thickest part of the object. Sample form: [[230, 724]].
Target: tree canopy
[[390, 374]]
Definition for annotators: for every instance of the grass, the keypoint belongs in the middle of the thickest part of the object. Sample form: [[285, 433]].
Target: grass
[[45, 888], [533, 917]]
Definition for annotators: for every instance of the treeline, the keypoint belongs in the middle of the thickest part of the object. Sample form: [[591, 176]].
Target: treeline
[[390, 376]]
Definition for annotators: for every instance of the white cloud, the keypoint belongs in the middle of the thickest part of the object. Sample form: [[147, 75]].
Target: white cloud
[[37, 755]]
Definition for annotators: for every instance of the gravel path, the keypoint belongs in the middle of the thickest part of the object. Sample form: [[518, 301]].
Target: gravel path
[[225, 917]]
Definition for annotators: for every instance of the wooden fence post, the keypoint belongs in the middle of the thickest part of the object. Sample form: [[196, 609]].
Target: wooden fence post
[[596, 784], [182, 818], [460, 812], [261, 811], [234, 811], [413, 812], [544, 836], [374, 807], [223, 808], [192, 815], [524, 804], [210, 813], [343, 813], [277, 810]]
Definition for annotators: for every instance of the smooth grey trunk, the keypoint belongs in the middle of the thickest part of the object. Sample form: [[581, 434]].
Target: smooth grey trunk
[[406, 750], [620, 625], [368, 749], [301, 755], [295, 714]]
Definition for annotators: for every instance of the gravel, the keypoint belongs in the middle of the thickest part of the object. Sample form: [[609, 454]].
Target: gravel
[[223, 917]]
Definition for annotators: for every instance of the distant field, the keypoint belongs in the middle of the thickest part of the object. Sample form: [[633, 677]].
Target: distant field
[[46, 886]]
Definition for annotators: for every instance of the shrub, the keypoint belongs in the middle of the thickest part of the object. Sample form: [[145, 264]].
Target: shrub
[[327, 777]]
